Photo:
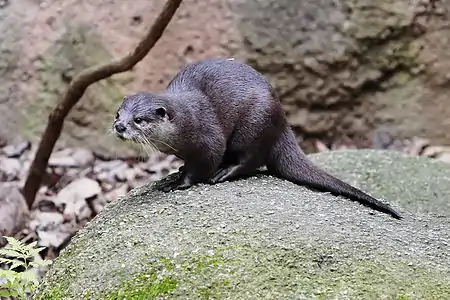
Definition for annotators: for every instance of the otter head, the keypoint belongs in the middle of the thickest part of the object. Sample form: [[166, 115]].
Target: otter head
[[145, 118]]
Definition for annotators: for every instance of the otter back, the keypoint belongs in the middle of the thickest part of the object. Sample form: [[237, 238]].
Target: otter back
[[227, 122]]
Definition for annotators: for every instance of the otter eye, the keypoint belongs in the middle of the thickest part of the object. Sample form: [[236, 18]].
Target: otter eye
[[138, 120], [161, 112]]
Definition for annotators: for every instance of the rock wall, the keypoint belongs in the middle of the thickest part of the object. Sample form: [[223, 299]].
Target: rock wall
[[346, 68]]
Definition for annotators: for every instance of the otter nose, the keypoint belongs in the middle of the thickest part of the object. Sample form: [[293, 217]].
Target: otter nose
[[120, 128]]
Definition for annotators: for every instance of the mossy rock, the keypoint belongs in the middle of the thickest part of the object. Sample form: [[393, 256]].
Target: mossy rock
[[265, 238]]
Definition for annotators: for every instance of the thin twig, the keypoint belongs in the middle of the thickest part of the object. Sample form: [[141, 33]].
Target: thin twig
[[76, 90]]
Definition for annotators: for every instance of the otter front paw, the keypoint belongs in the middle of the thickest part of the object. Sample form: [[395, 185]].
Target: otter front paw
[[180, 183]]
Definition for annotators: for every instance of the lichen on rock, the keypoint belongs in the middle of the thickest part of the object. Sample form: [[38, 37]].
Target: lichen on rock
[[264, 237]]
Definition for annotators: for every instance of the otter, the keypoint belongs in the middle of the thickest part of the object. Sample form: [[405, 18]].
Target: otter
[[225, 121]]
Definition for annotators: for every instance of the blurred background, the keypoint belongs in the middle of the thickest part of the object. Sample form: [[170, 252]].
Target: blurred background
[[347, 71]]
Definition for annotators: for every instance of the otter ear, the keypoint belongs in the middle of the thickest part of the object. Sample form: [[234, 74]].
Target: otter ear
[[161, 112]]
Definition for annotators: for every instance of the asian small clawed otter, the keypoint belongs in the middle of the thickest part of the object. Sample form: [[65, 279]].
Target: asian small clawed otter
[[224, 120]]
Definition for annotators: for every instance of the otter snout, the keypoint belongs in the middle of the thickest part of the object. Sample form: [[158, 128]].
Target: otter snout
[[120, 128]]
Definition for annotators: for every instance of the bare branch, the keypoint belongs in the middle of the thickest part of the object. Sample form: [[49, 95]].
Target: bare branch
[[76, 90]]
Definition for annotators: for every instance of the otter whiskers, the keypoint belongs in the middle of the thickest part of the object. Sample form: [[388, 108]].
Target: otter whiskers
[[164, 143], [147, 145]]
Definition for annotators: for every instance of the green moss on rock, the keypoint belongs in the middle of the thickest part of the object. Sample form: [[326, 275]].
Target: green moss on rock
[[145, 286]]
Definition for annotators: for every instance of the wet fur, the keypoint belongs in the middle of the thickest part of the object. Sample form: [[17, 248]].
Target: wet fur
[[225, 121]]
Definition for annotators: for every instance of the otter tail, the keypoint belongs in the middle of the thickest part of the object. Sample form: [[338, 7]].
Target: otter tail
[[287, 161]]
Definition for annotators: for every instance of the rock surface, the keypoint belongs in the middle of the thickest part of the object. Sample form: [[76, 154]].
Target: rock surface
[[264, 237], [348, 67], [13, 209], [9, 169], [74, 197]]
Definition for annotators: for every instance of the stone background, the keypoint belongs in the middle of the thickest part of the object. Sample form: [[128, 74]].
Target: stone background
[[343, 68]]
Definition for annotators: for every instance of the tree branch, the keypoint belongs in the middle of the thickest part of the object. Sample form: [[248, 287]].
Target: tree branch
[[76, 90]]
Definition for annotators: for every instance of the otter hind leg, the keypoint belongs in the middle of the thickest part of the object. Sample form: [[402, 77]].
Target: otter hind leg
[[247, 166]]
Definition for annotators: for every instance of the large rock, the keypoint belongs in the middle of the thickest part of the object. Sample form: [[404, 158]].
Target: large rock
[[268, 238], [348, 67]]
